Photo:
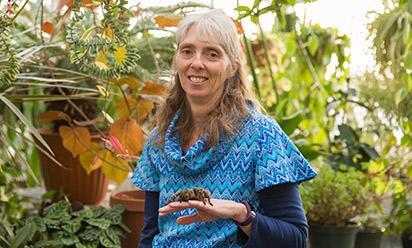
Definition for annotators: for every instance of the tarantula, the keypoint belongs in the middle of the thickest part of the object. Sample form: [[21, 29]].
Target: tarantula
[[198, 194]]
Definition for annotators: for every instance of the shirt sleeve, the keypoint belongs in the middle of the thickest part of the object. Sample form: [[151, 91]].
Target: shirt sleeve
[[146, 176], [278, 160], [151, 214], [282, 220]]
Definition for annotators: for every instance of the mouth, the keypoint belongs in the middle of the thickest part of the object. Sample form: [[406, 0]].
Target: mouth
[[197, 79]]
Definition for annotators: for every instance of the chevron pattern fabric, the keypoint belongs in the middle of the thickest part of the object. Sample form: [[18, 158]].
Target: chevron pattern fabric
[[260, 155]]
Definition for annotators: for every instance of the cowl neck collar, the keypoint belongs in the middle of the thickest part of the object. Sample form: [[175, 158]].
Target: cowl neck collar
[[198, 158]]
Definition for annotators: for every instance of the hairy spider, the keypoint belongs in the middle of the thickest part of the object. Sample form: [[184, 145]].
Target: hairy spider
[[198, 194]]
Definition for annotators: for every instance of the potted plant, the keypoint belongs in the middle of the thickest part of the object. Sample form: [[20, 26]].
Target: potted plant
[[332, 201], [87, 155], [133, 216], [70, 225]]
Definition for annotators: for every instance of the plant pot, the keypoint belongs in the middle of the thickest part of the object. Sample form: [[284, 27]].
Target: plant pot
[[368, 239], [332, 236], [73, 180], [133, 216], [407, 240]]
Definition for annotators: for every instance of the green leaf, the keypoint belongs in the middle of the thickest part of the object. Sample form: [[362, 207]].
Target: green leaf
[[106, 241], [90, 234], [243, 9], [406, 140], [48, 243], [58, 211], [101, 223], [26, 122], [267, 9], [256, 3], [347, 133], [408, 61], [308, 152], [313, 43], [400, 95], [72, 226], [23, 235], [254, 19], [290, 123], [87, 32]]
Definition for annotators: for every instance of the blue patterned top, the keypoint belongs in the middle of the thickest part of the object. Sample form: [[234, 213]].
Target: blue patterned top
[[260, 155]]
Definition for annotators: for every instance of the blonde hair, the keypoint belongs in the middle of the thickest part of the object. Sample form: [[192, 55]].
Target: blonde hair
[[232, 107]]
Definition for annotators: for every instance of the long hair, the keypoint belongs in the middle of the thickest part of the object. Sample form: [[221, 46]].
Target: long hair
[[232, 107]]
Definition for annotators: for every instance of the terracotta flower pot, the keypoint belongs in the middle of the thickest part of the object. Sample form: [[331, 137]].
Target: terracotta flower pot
[[133, 216], [73, 180]]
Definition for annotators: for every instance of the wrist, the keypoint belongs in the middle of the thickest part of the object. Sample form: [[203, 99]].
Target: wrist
[[241, 214]]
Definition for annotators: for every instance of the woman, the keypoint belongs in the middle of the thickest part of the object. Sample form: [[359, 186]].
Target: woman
[[210, 134]]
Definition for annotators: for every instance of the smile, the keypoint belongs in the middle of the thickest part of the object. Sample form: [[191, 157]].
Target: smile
[[197, 79]]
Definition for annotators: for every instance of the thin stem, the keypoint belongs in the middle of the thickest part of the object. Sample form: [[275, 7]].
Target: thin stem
[[125, 99], [146, 37], [269, 64], [18, 12], [252, 65], [41, 21]]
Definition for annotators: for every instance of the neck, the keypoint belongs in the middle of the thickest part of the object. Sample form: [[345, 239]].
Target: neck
[[200, 108]]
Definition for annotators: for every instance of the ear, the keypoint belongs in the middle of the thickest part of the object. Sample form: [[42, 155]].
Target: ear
[[232, 69]]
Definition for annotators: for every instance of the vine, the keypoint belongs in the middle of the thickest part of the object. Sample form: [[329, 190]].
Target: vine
[[106, 55]]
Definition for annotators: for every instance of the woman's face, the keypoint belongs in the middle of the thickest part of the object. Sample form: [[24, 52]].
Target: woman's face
[[202, 68]]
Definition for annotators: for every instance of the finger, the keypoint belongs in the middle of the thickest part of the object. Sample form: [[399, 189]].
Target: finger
[[169, 209], [188, 219], [199, 205]]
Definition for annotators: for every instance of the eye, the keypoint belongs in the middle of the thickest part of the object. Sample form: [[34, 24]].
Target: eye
[[186, 51], [212, 54]]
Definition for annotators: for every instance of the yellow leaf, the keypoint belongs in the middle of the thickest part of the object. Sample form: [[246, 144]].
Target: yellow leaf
[[163, 21], [114, 168], [131, 81], [151, 88], [121, 106], [108, 32], [90, 4], [89, 159], [120, 55], [50, 116], [102, 90], [101, 61], [144, 107], [129, 134], [76, 140]]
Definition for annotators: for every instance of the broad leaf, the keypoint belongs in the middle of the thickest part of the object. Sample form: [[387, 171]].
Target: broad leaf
[[122, 108], [129, 133], [114, 168], [49, 116], [131, 81], [144, 107], [153, 89], [163, 21], [89, 159], [76, 140]]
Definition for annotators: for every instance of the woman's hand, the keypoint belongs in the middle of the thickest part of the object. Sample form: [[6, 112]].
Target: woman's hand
[[221, 209]]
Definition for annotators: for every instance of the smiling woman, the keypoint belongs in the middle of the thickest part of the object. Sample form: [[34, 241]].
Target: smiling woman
[[210, 135]]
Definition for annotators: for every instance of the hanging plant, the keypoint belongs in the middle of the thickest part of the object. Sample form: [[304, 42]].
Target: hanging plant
[[102, 49], [9, 66]]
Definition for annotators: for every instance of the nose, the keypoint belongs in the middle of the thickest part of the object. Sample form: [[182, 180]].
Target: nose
[[197, 62]]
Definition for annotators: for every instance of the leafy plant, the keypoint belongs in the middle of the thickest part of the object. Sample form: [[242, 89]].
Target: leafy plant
[[335, 197], [62, 225]]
